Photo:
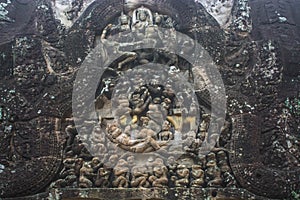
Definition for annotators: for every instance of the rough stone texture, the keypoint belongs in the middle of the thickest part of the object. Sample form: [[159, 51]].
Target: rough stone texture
[[257, 155], [180, 193]]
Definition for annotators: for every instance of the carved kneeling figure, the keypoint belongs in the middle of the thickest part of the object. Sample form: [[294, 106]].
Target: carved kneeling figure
[[121, 174], [197, 175], [86, 174], [139, 177], [182, 179]]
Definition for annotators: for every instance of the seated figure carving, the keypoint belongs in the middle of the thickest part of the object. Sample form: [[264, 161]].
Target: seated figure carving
[[139, 177], [142, 17], [160, 174]]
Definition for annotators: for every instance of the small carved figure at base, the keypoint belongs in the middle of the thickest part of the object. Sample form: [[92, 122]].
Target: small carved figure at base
[[139, 177], [197, 176], [86, 175], [121, 174], [102, 179], [182, 179], [160, 174]]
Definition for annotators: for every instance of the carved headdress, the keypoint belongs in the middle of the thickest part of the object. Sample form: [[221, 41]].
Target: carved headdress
[[136, 16]]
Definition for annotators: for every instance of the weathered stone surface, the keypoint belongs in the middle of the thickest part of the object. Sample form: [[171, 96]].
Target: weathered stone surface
[[44, 153]]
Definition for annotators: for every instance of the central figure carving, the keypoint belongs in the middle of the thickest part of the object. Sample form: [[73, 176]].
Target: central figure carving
[[148, 115]]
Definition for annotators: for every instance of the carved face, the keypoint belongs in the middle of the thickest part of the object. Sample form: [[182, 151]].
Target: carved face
[[145, 120], [122, 163], [156, 100], [166, 126], [158, 19], [182, 171], [130, 159], [113, 159], [142, 16], [95, 161], [171, 160], [124, 20]]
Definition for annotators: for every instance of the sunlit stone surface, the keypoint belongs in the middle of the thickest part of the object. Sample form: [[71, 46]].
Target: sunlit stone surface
[[219, 9]]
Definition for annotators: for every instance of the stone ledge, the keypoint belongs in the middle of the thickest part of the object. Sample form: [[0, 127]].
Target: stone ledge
[[144, 194]]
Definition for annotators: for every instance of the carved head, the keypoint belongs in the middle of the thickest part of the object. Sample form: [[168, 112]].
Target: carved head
[[196, 167], [159, 161], [122, 163], [156, 100], [157, 18], [221, 155], [124, 19], [95, 161], [142, 15], [145, 120], [113, 159], [130, 160], [166, 126], [171, 160]]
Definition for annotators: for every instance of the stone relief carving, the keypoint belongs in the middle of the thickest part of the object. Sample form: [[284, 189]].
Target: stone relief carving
[[152, 118]]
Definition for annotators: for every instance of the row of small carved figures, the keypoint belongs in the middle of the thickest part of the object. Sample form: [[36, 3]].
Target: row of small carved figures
[[208, 172]]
